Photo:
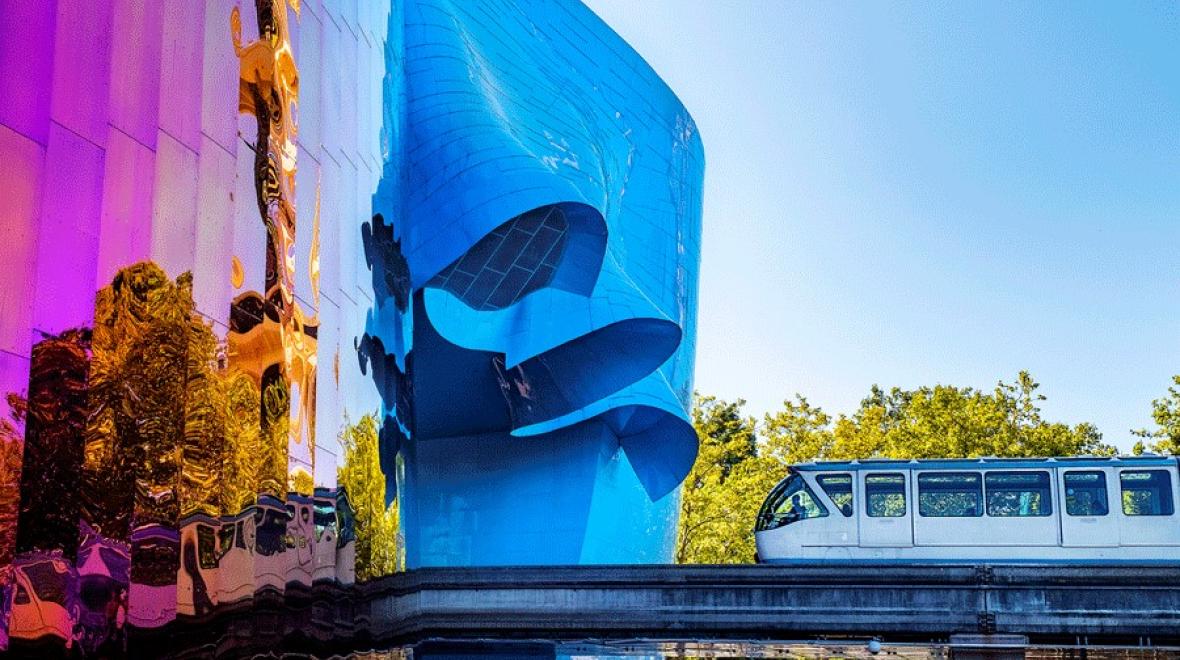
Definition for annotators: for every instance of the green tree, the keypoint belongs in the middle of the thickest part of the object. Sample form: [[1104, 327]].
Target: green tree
[[942, 421], [798, 433], [720, 494], [11, 447], [378, 547], [1165, 412]]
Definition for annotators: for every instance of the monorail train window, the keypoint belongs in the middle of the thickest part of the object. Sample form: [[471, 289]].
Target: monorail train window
[[950, 495], [1085, 493], [790, 501], [1146, 492], [225, 539], [839, 488], [325, 517], [206, 547], [22, 595], [885, 495], [1018, 494]]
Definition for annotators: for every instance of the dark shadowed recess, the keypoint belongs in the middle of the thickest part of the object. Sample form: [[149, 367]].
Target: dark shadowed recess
[[559, 245]]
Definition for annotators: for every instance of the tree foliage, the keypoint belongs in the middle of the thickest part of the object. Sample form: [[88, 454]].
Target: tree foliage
[[1165, 412], [739, 461], [715, 503], [11, 450], [378, 547]]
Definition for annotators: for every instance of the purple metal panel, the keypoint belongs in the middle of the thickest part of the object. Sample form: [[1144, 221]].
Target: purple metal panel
[[125, 233], [67, 247], [174, 206], [219, 77], [181, 64], [212, 267], [135, 82], [26, 66], [82, 68], [21, 176]]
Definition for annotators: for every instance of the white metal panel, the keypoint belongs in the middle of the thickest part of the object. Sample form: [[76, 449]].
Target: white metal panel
[[833, 529]]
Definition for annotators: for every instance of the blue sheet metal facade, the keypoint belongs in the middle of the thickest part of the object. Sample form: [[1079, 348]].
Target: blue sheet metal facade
[[534, 248]]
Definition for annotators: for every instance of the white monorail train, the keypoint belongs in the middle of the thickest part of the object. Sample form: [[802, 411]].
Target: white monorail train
[[1053, 509]]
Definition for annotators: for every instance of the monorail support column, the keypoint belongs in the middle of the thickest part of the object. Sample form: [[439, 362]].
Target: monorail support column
[[988, 647]]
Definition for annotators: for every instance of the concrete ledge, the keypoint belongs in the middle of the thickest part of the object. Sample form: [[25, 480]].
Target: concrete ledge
[[1048, 604], [904, 602]]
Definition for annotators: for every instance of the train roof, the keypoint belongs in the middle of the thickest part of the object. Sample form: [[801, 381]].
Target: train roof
[[988, 462]]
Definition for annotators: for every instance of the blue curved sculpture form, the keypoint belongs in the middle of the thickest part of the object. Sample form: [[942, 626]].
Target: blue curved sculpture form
[[534, 251]]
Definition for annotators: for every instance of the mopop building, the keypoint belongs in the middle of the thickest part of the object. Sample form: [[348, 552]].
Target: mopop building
[[536, 348], [315, 289]]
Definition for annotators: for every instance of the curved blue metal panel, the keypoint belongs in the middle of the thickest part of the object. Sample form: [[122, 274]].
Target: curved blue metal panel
[[534, 250]]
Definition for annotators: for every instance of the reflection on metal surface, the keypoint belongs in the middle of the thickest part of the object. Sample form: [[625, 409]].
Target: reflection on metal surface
[[237, 275], [492, 209], [276, 339]]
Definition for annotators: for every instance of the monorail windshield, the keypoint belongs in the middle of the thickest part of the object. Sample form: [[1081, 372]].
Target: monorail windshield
[[790, 501]]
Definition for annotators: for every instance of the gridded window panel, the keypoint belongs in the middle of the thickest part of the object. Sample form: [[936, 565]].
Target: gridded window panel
[[207, 547], [516, 259]]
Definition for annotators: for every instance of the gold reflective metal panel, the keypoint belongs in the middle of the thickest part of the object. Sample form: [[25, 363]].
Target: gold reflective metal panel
[[275, 339]]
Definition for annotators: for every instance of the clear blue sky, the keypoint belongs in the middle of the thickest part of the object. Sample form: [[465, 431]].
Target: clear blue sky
[[946, 192]]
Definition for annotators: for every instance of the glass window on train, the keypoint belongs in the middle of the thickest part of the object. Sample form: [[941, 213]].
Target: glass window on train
[[1146, 492], [1085, 493], [950, 495], [225, 539], [206, 547], [885, 495], [1018, 494], [789, 502], [839, 489]]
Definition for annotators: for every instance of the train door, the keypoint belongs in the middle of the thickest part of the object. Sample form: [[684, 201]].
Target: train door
[[886, 515], [1145, 505], [1087, 498]]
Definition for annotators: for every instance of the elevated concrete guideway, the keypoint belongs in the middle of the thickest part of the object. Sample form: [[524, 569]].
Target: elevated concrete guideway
[[1045, 603], [954, 606]]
